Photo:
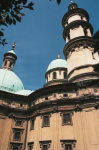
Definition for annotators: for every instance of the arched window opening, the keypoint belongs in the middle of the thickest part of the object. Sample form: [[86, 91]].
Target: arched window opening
[[65, 76], [47, 79], [10, 64], [5, 63], [59, 72], [54, 75], [85, 32]]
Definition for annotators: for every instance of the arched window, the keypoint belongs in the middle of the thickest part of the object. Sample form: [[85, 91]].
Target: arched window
[[10, 64], [54, 75], [65, 76], [5, 63], [47, 79], [85, 32]]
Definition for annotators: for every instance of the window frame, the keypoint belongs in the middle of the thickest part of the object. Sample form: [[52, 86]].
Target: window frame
[[62, 114], [42, 117], [19, 145], [71, 142], [14, 132], [32, 127], [30, 144], [46, 142], [65, 74], [54, 75]]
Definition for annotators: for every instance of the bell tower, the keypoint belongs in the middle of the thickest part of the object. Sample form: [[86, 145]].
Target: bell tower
[[79, 48], [9, 59]]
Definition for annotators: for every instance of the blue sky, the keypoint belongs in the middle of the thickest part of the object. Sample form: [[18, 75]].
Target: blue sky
[[39, 38]]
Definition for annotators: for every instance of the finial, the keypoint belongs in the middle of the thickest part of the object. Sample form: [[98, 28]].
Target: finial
[[71, 1], [58, 56], [13, 46]]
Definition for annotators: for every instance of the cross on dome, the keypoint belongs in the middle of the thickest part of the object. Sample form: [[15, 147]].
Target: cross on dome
[[13, 46]]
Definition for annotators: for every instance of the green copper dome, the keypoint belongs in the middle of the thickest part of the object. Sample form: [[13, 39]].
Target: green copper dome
[[57, 63], [24, 92], [9, 81]]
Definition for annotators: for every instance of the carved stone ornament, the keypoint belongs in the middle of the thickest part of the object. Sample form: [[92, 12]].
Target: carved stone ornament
[[71, 142], [19, 145], [96, 105], [78, 108], [37, 113], [30, 144], [54, 109], [46, 142]]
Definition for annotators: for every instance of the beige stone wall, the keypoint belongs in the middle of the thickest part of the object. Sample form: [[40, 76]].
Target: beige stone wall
[[78, 58], [74, 18], [5, 132], [76, 32], [85, 130]]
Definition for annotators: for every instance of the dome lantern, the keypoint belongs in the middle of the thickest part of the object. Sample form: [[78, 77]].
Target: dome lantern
[[56, 72], [9, 59]]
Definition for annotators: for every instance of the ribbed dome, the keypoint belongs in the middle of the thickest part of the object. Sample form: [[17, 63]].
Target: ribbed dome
[[57, 63], [9, 81]]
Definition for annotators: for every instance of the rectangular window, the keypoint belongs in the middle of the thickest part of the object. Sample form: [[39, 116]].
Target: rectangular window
[[68, 147], [32, 124], [17, 136], [30, 147], [65, 95], [46, 120], [15, 147], [66, 118], [44, 147]]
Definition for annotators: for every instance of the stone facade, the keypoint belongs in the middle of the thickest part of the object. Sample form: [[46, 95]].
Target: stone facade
[[62, 115]]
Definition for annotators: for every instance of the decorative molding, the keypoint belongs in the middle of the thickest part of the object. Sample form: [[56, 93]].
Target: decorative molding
[[75, 24], [73, 12], [96, 105], [45, 142], [78, 108], [17, 144], [30, 144], [71, 142], [73, 43]]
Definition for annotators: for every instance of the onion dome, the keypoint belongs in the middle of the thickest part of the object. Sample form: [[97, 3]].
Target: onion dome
[[56, 72]]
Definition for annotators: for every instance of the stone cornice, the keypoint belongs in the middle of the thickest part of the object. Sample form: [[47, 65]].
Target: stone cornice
[[76, 23], [56, 81], [73, 12], [84, 41], [80, 67], [84, 76]]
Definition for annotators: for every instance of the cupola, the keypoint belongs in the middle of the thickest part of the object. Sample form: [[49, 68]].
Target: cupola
[[56, 72], [9, 81], [9, 59]]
